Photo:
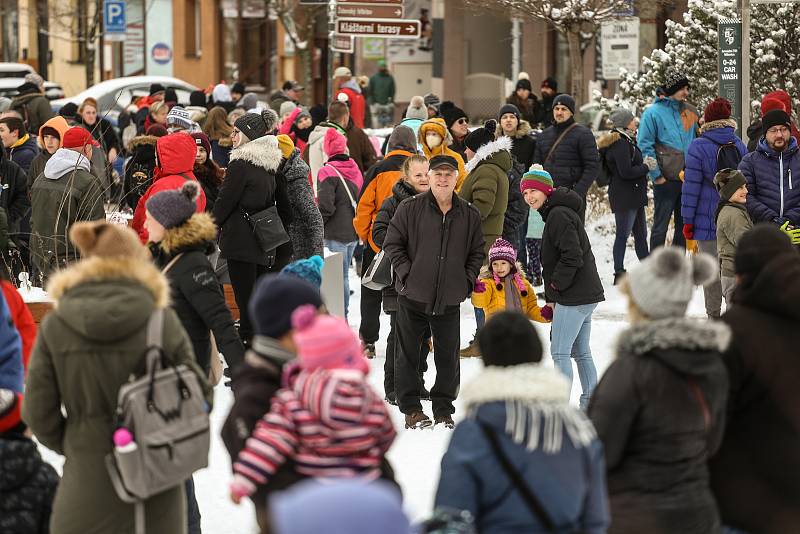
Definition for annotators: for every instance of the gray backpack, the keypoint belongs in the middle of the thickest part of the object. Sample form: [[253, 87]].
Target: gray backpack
[[167, 414]]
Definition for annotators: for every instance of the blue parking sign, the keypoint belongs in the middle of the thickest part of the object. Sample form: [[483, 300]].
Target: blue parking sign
[[114, 16]]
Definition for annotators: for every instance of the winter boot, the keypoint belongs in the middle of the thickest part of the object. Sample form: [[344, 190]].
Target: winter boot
[[472, 351], [369, 350], [618, 276], [418, 420], [446, 420]]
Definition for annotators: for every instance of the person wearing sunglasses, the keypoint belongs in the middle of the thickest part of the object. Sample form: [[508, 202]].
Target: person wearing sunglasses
[[458, 125]]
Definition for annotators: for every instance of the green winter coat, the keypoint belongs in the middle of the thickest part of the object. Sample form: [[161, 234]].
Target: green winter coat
[[88, 347], [486, 187], [732, 221], [381, 88], [37, 108]]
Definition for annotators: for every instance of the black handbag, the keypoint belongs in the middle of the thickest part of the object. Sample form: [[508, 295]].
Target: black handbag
[[379, 273], [268, 229]]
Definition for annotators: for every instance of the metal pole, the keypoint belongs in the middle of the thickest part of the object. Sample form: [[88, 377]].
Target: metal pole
[[331, 31], [516, 59], [744, 7]]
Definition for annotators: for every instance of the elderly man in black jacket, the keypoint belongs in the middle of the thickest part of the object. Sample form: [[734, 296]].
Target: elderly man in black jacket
[[435, 243], [568, 151]]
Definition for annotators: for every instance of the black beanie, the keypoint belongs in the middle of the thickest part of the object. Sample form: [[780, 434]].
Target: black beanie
[[481, 136], [674, 82], [451, 113], [565, 100], [156, 88], [776, 117], [509, 108], [551, 83], [523, 84], [275, 298], [757, 247], [170, 95], [197, 98], [509, 338], [255, 125]]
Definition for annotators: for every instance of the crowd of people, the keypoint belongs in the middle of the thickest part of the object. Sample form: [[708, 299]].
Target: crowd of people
[[693, 428]]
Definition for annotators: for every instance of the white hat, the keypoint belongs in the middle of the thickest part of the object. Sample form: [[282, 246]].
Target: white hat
[[341, 72]]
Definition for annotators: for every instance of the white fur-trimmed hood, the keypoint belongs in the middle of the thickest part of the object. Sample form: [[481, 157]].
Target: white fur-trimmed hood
[[503, 143], [527, 382], [261, 152], [674, 333]]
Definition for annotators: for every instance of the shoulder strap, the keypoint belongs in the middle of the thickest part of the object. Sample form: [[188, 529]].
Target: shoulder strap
[[530, 499], [558, 140], [344, 184], [184, 176], [171, 263], [155, 329]]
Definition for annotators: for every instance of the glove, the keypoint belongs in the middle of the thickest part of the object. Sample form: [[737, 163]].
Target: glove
[[480, 287], [688, 231], [651, 163], [792, 232], [547, 312]]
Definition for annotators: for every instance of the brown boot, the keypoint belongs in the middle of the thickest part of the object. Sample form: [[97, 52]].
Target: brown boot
[[418, 420], [471, 352], [445, 420]]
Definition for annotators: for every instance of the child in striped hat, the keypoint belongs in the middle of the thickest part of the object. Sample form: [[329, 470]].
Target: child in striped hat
[[503, 286]]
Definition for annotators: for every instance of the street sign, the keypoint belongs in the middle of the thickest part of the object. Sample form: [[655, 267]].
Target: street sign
[[114, 22], [730, 66], [369, 11], [625, 9], [390, 29], [342, 43], [619, 47], [384, 2]]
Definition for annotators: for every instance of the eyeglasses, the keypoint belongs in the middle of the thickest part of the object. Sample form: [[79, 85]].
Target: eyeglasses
[[778, 129], [461, 121]]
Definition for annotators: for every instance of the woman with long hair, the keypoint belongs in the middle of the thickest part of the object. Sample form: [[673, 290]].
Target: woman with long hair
[[219, 130], [207, 172]]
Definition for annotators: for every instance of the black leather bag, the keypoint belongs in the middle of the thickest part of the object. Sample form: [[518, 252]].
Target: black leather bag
[[268, 229], [379, 272]]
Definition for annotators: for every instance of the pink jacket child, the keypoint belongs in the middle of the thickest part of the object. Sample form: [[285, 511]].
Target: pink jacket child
[[327, 418], [335, 147]]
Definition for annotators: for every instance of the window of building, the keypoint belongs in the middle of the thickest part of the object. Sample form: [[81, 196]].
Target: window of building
[[192, 33]]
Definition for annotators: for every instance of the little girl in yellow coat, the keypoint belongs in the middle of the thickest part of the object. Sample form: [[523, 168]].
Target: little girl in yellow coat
[[503, 286]]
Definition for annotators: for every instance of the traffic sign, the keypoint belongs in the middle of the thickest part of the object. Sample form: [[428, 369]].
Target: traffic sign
[[390, 29], [114, 21], [369, 11], [342, 43], [384, 2]]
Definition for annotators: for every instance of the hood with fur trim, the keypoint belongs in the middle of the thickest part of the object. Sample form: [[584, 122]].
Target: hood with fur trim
[[671, 339], [606, 140], [438, 126], [488, 150], [523, 129], [262, 152], [108, 298], [143, 140], [197, 231], [722, 123]]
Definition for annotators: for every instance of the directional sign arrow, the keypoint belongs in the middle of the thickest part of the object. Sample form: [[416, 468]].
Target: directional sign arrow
[[369, 11], [389, 29]]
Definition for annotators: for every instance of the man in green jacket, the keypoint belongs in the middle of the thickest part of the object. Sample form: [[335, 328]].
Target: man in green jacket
[[381, 96], [66, 193]]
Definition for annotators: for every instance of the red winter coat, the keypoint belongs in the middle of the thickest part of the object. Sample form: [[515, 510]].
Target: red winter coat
[[175, 154], [357, 105], [23, 320]]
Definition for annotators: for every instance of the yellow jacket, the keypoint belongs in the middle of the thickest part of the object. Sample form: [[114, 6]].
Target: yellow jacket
[[439, 126], [493, 300]]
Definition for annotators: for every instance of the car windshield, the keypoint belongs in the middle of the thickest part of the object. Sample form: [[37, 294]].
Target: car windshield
[[16, 73]]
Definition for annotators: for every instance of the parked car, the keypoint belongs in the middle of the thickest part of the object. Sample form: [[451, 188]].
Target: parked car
[[12, 75], [113, 96]]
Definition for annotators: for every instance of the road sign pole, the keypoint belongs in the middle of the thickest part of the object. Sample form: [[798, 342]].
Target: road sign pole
[[331, 30], [744, 7]]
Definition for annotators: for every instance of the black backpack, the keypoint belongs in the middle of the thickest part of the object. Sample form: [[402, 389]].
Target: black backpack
[[728, 155]]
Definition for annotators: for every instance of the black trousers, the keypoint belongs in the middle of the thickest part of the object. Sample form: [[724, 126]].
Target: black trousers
[[412, 323], [391, 351], [243, 279], [370, 327]]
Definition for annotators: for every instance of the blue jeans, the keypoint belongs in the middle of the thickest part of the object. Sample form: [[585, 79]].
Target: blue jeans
[[628, 221], [571, 330], [667, 201], [347, 250]]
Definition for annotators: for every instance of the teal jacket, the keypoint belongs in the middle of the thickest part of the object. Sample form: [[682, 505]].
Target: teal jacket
[[666, 122]]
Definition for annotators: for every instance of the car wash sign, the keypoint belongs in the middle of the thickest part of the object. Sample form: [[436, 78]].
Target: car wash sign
[[730, 65]]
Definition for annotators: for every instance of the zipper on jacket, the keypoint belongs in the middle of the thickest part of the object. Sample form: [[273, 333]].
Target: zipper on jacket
[[439, 260], [780, 160], [790, 178]]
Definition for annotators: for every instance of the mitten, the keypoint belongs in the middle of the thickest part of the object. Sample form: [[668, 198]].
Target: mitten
[[480, 287], [547, 312], [651, 163], [688, 231]]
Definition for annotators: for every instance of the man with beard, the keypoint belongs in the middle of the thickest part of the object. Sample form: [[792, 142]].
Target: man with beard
[[549, 93], [770, 171]]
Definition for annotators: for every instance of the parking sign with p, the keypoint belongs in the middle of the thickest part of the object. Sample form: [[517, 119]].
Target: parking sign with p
[[114, 21]]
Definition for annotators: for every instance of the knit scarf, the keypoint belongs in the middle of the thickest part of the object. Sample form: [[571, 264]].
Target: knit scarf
[[513, 300]]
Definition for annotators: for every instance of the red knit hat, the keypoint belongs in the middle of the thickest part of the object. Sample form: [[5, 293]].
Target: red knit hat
[[717, 110], [783, 97], [771, 104]]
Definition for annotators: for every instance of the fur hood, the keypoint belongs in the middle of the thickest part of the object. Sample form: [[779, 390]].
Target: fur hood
[[262, 152], [606, 140], [198, 230], [681, 334], [722, 123], [523, 129], [104, 268], [484, 152], [537, 409], [141, 140]]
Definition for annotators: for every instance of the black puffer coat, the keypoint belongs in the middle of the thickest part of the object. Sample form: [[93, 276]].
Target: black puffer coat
[[139, 169], [400, 191], [210, 177], [103, 132], [524, 146], [27, 487], [195, 292], [251, 184], [575, 163], [754, 475], [627, 189], [306, 228], [567, 258], [660, 412], [14, 190]]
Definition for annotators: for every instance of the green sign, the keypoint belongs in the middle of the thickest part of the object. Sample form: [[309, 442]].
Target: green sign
[[730, 66]]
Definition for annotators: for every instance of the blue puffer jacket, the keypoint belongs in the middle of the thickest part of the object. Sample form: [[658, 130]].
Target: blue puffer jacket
[[666, 122], [773, 183], [568, 480], [699, 197], [11, 369]]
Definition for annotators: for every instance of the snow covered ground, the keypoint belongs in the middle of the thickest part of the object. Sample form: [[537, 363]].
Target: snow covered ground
[[416, 454]]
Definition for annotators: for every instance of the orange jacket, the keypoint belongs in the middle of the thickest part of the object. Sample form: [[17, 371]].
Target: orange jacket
[[377, 188]]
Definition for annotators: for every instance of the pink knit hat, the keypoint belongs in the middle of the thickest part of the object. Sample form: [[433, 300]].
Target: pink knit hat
[[503, 250], [326, 342], [334, 143]]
